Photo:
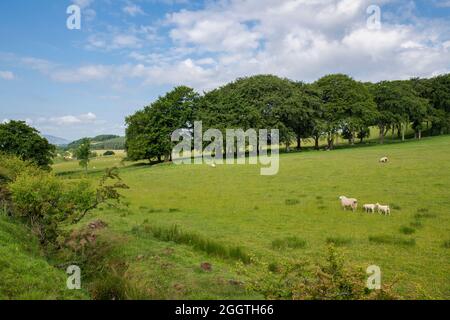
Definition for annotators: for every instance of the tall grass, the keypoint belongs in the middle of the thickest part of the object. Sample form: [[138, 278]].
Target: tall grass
[[339, 241], [289, 242], [175, 234], [393, 240]]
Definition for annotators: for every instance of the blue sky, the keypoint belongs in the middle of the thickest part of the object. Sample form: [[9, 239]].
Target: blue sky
[[74, 83]]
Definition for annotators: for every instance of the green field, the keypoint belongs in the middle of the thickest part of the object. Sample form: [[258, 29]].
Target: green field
[[236, 206]]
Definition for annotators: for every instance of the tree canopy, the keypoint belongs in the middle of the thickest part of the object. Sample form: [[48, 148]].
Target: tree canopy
[[18, 138]]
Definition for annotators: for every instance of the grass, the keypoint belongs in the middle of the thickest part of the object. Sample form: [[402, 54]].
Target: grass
[[289, 242], [175, 234], [339, 241], [24, 272], [393, 240], [236, 206]]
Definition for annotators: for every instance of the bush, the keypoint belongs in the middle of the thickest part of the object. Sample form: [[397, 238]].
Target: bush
[[44, 201], [331, 280], [109, 153]]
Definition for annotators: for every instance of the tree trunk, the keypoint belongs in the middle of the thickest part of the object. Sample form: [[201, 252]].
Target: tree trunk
[[330, 141], [403, 131], [381, 133], [299, 143], [316, 142], [419, 134]]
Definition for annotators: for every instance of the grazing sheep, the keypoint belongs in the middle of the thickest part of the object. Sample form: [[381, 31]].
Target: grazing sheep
[[369, 208], [383, 209], [384, 160], [348, 203], [213, 165]]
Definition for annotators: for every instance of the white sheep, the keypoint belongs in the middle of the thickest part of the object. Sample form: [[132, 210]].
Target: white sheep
[[369, 208], [384, 160], [348, 203], [383, 209]]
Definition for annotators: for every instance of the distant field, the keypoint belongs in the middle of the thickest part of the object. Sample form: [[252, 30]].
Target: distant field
[[236, 206]]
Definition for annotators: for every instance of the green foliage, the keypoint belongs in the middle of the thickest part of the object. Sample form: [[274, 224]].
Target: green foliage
[[45, 201], [25, 274], [348, 105], [331, 280], [83, 153], [19, 139], [109, 153], [148, 135]]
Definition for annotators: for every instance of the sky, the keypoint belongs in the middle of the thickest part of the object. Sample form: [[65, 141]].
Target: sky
[[73, 83]]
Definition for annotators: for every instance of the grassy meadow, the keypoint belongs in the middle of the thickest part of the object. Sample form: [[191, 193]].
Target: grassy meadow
[[292, 216]]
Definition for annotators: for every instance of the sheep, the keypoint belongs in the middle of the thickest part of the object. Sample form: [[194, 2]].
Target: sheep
[[369, 208], [213, 165], [348, 202], [383, 209], [384, 160]]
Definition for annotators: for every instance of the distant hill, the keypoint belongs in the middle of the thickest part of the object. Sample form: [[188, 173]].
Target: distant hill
[[102, 142], [57, 141]]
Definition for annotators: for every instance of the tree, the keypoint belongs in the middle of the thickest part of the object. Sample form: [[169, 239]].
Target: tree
[[299, 111], [347, 105], [398, 105], [17, 138], [148, 133], [83, 153]]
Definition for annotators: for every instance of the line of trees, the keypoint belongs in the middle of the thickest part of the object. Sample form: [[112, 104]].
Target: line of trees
[[332, 106]]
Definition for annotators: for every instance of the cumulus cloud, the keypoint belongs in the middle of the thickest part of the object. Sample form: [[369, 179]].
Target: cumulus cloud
[[299, 39], [68, 120], [133, 10], [7, 75]]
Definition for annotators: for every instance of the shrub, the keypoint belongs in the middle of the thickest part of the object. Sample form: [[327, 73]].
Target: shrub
[[109, 153], [44, 201], [331, 280]]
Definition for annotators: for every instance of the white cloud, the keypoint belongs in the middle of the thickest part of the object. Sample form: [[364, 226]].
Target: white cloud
[[133, 10], [7, 75], [83, 3], [69, 120]]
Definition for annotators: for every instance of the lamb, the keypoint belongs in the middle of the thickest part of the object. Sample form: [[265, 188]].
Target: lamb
[[383, 209], [348, 203], [384, 160], [369, 208]]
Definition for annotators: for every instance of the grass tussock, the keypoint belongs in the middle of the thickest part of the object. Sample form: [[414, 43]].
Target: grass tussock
[[446, 244], [407, 230], [425, 215], [392, 240], [288, 242], [211, 247], [339, 241], [291, 202]]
